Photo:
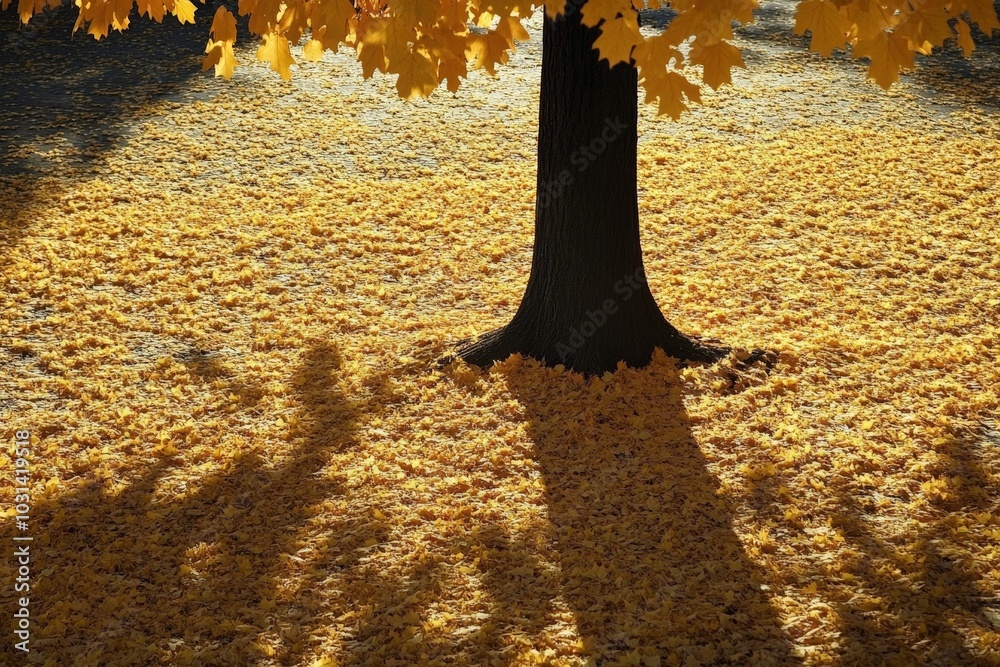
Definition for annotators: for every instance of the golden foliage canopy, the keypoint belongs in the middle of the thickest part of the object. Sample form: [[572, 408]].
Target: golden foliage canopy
[[247, 457], [428, 42]]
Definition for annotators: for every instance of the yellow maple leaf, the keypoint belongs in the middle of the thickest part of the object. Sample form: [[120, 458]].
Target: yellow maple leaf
[[330, 21], [453, 15], [294, 21], [657, 53], [444, 44], [183, 10], [372, 57], [220, 49], [829, 27], [964, 37], [414, 12], [418, 76], [511, 28], [887, 53], [26, 8], [617, 39], [493, 48], [742, 10], [154, 9], [869, 18], [983, 14], [102, 16], [452, 71], [925, 27], [263, 14], [716, 60], [392, 32], [671, 88], [595, 11], [448, 49], [312, 50], [274, 49]]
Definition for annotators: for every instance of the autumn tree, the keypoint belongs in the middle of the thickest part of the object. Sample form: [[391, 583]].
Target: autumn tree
[[587, 303]]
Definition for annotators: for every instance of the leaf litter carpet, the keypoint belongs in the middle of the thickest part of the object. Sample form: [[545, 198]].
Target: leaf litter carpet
[[223, 304]]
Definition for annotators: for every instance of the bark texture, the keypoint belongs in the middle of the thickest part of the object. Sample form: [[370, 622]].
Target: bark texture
[[587, 304]]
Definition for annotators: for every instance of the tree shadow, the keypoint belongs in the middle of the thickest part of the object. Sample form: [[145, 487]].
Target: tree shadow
[[153, 570], [912, 599], [936, 585], [394, 609], [907, 589], [212, 369], [232, 567], [396, 619], [79, 93], [650, 563]]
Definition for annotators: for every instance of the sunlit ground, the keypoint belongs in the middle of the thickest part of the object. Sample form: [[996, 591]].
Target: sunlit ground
[[222, 304]]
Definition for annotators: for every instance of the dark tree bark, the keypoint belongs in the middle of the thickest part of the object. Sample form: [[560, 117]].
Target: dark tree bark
[[587, 304]]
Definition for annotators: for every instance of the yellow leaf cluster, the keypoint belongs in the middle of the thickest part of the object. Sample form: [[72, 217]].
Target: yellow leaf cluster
[[220, 46], [889, 33], [425, 43]]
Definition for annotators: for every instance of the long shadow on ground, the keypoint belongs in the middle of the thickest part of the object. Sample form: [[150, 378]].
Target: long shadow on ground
[[910, 589], [78, 94], [645, 557], [160, 573], [941, 582], [650, 563]]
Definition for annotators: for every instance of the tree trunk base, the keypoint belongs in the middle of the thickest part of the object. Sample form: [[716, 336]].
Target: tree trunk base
[[587, 305], [499, 344]]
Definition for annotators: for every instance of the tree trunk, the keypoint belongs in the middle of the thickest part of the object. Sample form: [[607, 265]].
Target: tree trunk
[[587, 304]]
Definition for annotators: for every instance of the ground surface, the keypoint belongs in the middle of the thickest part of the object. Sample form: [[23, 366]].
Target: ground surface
[[222, 304]]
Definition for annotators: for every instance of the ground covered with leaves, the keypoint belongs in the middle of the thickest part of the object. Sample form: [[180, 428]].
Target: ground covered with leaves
[[223, 305]]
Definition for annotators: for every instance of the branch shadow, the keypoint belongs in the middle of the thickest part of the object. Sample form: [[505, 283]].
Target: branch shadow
[[650, 563], [155, 571], [396, 618], [907, 589], [936, 581], [211, 369], [396, 612]]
